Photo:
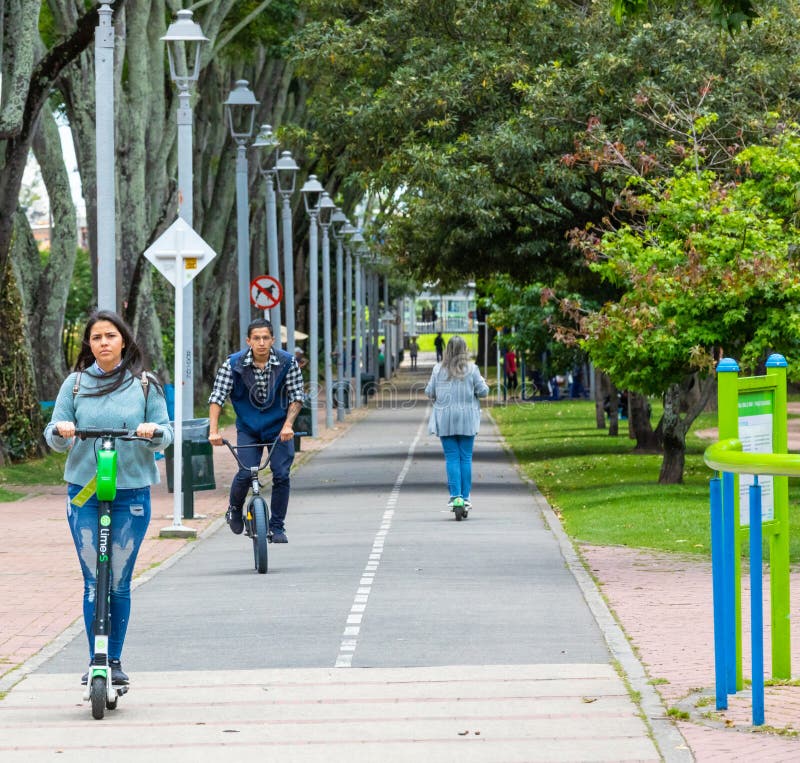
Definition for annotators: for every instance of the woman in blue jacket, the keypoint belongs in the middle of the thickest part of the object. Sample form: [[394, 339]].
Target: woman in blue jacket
[[455, 386], [109, 390]]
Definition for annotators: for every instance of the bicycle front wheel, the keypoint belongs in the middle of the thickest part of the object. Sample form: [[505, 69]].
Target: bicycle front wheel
[[259, 510]]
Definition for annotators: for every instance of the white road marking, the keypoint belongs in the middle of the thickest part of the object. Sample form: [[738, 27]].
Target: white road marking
[[353, 628]]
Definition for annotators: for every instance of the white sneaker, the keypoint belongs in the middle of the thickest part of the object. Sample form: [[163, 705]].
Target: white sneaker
[[467, 504], [450, 503]]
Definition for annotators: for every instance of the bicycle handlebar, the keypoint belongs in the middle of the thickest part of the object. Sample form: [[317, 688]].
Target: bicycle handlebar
[[124, 434], [269, 445]]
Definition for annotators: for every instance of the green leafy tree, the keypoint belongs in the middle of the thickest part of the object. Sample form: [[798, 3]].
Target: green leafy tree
[[488, 128], [705, 269]]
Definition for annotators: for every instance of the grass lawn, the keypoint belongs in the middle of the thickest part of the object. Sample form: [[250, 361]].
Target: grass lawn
[[40, 471], [425, 341], [607, 495]]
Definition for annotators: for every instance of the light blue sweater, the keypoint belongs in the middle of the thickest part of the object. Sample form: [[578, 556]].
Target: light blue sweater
[[455, 402], [122, 409]]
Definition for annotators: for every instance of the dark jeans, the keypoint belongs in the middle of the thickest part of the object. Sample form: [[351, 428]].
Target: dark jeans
[[279, 464]]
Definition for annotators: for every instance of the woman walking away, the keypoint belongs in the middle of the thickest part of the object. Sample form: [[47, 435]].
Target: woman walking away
[[109, 390], [455, 386]]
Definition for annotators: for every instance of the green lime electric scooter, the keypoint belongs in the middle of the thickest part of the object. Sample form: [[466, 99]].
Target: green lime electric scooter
[[100, 689]]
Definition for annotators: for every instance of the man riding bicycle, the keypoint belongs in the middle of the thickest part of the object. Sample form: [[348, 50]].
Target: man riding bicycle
[[266, 389]]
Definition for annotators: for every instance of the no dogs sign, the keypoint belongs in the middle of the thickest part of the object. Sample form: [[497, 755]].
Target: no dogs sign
[[265, 292]]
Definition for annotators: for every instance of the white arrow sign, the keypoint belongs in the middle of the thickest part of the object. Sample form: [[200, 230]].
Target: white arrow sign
[[180, 242]]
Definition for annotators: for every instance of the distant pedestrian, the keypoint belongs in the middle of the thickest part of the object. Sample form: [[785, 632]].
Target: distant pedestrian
[[438, 344], [455, 386], [300, 357], [510, 361], [413, 349], [109, 390]]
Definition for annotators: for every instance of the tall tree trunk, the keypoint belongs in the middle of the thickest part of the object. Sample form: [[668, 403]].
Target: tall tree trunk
[[673, 433], [46, 297], [20, 418], [600, 391], [613, 409], [673, 427], [641, 430]]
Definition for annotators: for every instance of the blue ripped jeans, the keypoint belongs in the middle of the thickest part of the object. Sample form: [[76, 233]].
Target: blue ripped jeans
[[130, 516], [458, 462]]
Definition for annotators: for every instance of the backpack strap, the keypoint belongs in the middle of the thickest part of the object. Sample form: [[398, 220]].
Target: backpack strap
[[76, 388]]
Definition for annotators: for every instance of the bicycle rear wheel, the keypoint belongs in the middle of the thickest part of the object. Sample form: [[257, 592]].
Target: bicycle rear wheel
[[259, 510]]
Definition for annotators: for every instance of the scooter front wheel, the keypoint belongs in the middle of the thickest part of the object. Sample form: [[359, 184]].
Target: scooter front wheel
[[97, 694]]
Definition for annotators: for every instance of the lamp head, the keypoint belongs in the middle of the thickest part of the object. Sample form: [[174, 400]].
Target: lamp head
[[338, 222], [241, 110], [184, 39], [326, 209], [265, 143], [312, 192], [286, 170]]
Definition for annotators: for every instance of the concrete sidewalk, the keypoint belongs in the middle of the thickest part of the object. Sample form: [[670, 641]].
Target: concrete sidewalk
[[662, 602]]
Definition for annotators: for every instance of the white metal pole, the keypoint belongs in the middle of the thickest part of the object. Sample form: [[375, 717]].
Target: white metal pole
[[339, 330], [485, 349], [272, 250], [242, 243], [348, 328], [326, 325], [387, 332], [358, 330], [185, 210], [105, 160], [497, 345], [288, 269], [177, 445], [313, 319]]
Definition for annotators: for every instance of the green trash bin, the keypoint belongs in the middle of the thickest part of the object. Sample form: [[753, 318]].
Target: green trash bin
[[345, 394], [302, 423], [198, 463], [368, 385]]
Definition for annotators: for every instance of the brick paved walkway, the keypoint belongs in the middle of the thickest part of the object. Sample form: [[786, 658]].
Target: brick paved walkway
[[664, 604]]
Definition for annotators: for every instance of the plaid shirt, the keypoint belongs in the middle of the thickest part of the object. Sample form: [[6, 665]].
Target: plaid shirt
[[223, 383]]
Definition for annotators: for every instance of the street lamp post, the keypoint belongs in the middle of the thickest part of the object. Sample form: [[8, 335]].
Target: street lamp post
[[325, 211], [387, 330], [312, 192], [104, 160], [357, 241], [184, 40], [339, 223], [267, 144], [347, 232], [285, 175], [241, 110]]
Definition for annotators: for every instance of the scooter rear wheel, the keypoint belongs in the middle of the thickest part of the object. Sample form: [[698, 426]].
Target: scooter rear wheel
[[97, 694]]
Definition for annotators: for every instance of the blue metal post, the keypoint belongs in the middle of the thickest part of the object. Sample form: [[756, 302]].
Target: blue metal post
[[718, 578], [756, 604], [729, 576]]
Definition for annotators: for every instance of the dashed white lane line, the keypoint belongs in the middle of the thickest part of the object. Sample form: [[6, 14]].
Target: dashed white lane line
[[353, 628]]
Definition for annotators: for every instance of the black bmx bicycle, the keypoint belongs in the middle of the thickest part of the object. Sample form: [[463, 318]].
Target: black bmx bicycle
[[100, 690], [256, 513]]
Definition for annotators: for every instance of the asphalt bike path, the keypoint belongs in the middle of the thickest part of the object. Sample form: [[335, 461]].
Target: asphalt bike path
[[383, 631]]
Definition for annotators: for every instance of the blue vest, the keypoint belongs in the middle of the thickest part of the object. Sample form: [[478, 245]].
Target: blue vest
[[262, 419]]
